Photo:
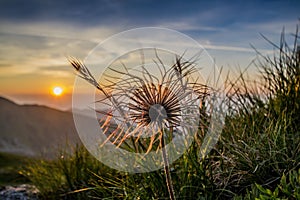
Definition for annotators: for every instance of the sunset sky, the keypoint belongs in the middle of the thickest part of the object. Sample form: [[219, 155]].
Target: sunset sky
[[36, 37]]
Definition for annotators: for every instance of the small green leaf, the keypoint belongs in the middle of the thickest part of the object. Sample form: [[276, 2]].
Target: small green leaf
[[276, 192], [260, 188]]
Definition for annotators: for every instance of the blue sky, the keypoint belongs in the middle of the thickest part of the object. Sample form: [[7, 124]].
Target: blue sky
[[36, 36]]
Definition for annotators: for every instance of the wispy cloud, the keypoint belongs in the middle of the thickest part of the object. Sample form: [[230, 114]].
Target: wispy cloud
[[57, 30], [227, 48]]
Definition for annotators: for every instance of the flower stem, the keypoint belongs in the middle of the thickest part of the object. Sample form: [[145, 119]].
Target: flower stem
[[166, 168]]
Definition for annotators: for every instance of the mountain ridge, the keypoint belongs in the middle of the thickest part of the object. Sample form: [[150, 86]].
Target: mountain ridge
[[35, 130]]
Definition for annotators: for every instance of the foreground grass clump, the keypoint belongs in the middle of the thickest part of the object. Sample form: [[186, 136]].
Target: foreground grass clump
[[261, 139], [288, 188], [81, 176], [257, 156], [66, 176]]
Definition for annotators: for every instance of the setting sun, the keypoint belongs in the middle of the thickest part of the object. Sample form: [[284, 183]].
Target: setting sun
[[57, 91]]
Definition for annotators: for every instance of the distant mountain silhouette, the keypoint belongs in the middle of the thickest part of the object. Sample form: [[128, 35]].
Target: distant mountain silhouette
[[35, 130]]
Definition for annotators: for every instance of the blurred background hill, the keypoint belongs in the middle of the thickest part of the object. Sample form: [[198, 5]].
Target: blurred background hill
[[35, 130]]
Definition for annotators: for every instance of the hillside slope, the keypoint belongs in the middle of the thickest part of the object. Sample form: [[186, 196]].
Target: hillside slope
[[34, 130]]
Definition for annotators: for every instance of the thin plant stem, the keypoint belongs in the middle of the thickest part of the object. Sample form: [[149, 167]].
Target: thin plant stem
[[166, 167]]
